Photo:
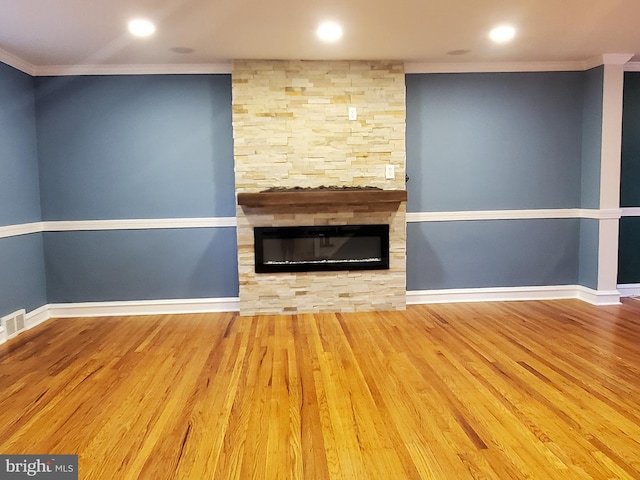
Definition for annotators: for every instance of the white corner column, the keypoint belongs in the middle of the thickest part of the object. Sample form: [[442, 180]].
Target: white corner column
[[610, 161]]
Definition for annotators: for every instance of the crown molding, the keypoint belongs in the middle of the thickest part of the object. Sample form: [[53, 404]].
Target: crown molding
[[498, 67], [607, 59], [16, 62], [151, 69], [593, 62], [616, 58], [409, 67], [494, 67]]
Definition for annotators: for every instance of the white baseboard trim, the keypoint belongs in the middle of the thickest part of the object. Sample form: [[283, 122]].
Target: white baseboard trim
[[128, 308], [414, 297], [598, 297], [31, 319], [38, 316], [629, 290], [501, 294], [143, 307]]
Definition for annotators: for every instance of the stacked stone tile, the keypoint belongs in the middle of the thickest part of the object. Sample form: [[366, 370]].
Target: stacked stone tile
[[291, 128]]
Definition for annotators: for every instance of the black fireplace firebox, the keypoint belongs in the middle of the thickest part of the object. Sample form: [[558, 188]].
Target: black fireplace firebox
[[321, 248]]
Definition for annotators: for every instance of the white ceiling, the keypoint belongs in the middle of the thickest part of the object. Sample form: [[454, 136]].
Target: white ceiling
[[46, 33]]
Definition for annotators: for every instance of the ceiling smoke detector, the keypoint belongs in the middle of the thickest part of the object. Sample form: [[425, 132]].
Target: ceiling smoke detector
[[458, 52], [184, 50]]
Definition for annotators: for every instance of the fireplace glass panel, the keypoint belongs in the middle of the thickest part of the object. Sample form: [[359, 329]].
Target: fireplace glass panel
[[313, 248]]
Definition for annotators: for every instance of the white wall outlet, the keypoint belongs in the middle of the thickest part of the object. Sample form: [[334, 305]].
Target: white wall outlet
[[353, 113], [390, 172]]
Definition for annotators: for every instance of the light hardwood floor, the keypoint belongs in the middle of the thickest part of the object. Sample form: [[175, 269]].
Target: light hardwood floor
[[520, 390]]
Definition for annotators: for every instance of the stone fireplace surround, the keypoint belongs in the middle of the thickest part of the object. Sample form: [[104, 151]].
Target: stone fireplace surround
[[291, 129]]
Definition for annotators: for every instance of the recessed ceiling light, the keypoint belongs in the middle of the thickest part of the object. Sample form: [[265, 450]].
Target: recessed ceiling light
[[141, 27], [329, 32], [502, 34]]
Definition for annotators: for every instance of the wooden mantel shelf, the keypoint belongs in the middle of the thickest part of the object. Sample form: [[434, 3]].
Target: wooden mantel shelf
[[322, 197]]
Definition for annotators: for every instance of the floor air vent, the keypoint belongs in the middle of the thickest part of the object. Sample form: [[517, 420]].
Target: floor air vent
[[13, 324]]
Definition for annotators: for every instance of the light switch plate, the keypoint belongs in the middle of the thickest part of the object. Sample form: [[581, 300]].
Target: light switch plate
[[390, 172], [353, 113]]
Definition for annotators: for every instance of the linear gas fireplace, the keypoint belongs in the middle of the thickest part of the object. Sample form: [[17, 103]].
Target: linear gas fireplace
[[318, 248]]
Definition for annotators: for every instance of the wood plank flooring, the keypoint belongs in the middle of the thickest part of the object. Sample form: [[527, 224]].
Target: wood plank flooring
[[519, 390]]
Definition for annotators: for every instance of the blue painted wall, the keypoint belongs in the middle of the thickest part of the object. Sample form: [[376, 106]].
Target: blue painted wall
[[492, 141], [588, 253], [491, 253], [115, 148], [503, 141], [22, 276], [19, 188], [591, 138], [161, 146], [590, 175], [158, 146], [154, 146], [141, 264], [22, 273]]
